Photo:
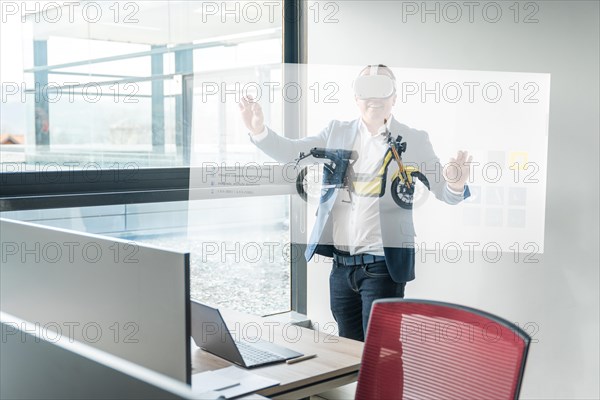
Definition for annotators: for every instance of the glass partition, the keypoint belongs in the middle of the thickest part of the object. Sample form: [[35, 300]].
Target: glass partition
[[240, 260]]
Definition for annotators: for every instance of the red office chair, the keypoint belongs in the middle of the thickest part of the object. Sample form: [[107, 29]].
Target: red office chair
[[418, 349]]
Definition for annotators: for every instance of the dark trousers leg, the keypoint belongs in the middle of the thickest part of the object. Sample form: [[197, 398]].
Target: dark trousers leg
[[345, 301], [375, 283], [352, 292]]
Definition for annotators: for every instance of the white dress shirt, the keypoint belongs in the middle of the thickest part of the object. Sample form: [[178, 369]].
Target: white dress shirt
[[356, 224]]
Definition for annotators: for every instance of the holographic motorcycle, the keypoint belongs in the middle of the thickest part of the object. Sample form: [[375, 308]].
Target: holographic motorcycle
[[339, 173]]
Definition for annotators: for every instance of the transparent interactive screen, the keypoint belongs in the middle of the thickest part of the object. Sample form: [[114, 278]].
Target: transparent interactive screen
[[385, 157]]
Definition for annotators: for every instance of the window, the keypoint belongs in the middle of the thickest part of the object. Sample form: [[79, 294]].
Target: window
[[102, 105], [109, 92]]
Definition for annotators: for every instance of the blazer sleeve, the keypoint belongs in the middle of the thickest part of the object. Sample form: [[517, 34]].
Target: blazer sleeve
[[285, 150]]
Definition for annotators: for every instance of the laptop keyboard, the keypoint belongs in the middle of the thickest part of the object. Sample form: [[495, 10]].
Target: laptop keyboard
[[253, 355]]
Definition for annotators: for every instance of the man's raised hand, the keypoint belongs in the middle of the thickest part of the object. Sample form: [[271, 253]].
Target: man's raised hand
[[457, 171], [252, 115]]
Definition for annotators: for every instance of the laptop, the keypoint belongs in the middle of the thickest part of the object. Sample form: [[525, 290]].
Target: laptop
[[211, 334]]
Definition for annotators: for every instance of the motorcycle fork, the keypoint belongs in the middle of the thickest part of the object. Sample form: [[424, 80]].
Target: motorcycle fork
[[401, 169]]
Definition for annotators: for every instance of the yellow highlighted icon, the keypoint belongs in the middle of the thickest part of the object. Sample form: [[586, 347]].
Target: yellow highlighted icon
[[518, 160]]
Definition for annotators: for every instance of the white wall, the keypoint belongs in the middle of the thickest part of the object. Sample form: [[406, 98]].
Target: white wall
[[560, 294]]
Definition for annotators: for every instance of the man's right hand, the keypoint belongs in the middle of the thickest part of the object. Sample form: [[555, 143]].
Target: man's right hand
[[252, 115]]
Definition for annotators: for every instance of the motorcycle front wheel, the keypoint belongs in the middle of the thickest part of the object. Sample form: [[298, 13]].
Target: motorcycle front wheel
[[402, 194]]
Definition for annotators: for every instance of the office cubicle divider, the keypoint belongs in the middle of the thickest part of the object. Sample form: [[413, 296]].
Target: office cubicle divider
[[35, 363], [125, 298]]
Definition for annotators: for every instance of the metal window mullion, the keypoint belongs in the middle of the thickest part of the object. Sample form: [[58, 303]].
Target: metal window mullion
[[42, 107], [158, 102], [184, 66], [294, 40]]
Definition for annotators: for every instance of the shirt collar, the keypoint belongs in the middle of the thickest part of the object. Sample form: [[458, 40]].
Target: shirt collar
[[364, 131]]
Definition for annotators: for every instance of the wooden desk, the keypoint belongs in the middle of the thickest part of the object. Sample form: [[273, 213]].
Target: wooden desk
[[336, 364]]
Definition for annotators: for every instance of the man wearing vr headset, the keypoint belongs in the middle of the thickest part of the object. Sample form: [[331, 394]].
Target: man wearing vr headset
[[370, 239]]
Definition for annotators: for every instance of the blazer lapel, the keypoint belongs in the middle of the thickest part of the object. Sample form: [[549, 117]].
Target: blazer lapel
[[340, 140], [348, 138]]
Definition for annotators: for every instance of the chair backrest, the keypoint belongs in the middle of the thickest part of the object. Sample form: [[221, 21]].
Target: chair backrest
[[419, 349]]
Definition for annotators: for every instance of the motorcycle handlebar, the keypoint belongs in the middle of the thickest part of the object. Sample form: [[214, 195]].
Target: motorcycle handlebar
[[337, 154]]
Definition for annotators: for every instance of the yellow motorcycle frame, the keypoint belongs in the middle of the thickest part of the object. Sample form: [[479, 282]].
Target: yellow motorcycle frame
[[403, 180], [340, 174]]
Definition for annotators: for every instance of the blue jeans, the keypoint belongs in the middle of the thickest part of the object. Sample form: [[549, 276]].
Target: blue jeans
[[352, 292]]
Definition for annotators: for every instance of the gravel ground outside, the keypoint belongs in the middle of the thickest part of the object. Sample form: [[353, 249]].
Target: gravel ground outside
[[239, 271]]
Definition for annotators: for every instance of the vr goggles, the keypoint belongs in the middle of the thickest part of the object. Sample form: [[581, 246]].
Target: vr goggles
[[374, 87]]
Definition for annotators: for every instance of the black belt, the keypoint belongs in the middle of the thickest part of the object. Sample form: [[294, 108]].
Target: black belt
[[347, 260]]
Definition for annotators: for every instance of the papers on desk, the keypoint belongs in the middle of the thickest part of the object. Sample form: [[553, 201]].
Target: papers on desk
[[230, 382]]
